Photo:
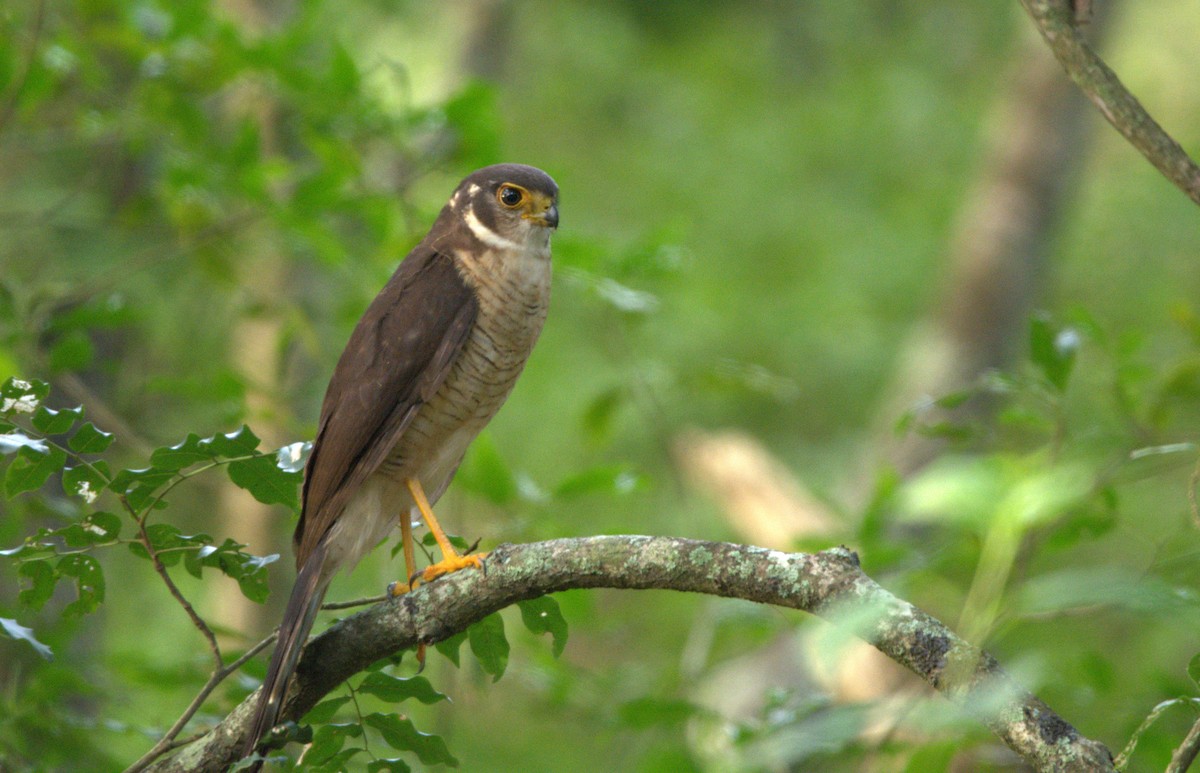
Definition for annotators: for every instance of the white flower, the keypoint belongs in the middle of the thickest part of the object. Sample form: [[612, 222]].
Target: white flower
[[19, 383]]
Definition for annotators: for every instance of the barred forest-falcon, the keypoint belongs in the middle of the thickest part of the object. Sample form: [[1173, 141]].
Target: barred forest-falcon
[[433, 358]]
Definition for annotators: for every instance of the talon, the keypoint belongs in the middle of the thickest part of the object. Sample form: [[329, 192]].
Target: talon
[[451, 563]]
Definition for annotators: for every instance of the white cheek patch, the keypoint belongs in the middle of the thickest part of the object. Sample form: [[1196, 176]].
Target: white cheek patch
[[485, 234]]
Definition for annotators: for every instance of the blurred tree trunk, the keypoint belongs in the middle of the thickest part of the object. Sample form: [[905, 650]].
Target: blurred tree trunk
[[997, 256], [255, 349]]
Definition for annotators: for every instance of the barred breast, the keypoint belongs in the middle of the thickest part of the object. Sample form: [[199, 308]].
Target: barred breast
[[513, 289]]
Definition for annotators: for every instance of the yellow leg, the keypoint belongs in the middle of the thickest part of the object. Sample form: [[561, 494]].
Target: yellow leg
[[452, 560], [410, 566]]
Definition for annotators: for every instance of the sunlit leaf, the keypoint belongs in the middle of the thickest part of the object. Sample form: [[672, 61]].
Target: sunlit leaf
[[11, 442], [15, 630], [293, 457]]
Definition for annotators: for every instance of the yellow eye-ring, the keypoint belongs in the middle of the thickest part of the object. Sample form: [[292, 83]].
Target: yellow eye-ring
[[511, 196]]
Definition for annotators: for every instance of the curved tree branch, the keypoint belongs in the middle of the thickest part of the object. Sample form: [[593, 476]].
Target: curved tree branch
[[1057, 21], [829, 584]]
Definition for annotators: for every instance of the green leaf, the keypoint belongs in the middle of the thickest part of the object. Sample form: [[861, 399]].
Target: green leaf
[[83, 481], [30, 470], [263, 478], [489, 645], [243, 442], [183, 454], [329, 739], [337, 762], [51, 422], [429, 541], [89, 440], [450, 647], [89, 582], [15, 630], [102, 527], [249, 570], [42, 580], [392, 765], [400, 734], [1053, 350], [165, 539], [394, 689], [542, 615], [324, 711]]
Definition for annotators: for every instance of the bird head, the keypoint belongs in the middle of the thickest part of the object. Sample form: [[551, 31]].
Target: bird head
[[507, 205]]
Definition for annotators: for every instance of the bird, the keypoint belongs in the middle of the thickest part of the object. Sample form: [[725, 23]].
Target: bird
[[428, 365]]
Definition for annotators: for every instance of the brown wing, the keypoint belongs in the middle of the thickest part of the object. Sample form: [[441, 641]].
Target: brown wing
[[397, 357]]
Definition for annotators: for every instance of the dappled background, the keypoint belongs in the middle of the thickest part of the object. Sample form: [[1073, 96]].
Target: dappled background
[[863, 273]]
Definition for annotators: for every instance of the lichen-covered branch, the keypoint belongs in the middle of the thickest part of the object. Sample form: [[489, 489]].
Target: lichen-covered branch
[[829, 584], [1057, 21]]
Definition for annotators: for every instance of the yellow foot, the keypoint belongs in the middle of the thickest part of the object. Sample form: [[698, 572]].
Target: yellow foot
[[451, 563]]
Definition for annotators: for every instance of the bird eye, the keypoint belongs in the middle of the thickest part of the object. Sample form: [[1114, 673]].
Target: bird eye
[[510, 196]]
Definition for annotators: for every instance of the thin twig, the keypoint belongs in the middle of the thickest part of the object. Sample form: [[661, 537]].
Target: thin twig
[[1056, 20], [168, 740], [159, 567], [1183, 757]]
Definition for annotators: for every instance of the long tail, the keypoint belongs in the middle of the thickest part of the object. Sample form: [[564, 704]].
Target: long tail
[[301, 612]]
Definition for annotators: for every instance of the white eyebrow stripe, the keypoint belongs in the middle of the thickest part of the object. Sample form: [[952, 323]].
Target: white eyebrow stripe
[[485, 234]]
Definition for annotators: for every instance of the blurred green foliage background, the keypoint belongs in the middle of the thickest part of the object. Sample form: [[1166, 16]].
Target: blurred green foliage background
[[761, 206]]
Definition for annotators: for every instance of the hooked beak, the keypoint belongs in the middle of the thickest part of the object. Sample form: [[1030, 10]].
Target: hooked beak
[[544, 212]]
